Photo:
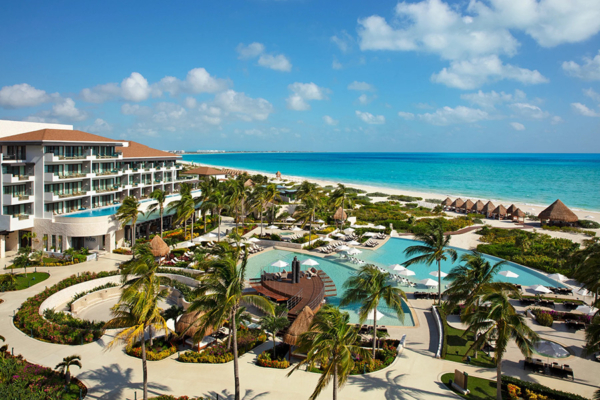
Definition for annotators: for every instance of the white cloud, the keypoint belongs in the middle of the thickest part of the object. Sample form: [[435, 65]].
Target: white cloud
[[424, 106], [190, 102], [479, 28], [135, 87], [330, 121], [303, 92], [493, 98], [406, 115], [458, 115], [470, 74], [199, 80], [253, 50], [529, 111], [517, 126], [344, 41], [556, 120], [66, 109], [361, 86], [370, 118], [101, 93], [23, 95], [588, 71], [99, 126], [592, 94], [135, 109], [277, 62], [584, 110], [365, 99], [336, 64], [244, 107]]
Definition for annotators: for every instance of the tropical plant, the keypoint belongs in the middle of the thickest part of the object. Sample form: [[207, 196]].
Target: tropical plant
[[184, 208], [258, 202], [219, 295], [234, 197], [21, 260], [501, 322], [64, 366], [206, 186], [311, 203], [592, 337], [160, 196], [128, 213], [218, 202], [435, 248], [330, 342], [588, 267], [270, 195], [370, 287], [341, 198], [274, 323]]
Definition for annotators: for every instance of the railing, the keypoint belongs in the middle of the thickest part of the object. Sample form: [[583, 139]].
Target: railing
[[73, 194], [104, 190], [22, 177], [21, 217], [295, 300], [314, 303], [22, 196], [71, 157], [68, 176], [115, 155], [112, 172]]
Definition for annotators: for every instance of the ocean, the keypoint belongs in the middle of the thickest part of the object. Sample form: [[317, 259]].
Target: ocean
[[536, 179]]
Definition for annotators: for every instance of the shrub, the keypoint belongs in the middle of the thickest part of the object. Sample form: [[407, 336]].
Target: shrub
[[264, 360], [539, 389], [316, 244], [122, 251], [218, 354], [544, 319], [377, 194], [434, 201], [587, 224], [159, 350], [402, 197]]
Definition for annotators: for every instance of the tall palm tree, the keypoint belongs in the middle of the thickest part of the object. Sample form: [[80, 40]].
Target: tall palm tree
[[184, 208], [588, 267], [331, 342], [128, 213], [271, 194], [219, 296], [64, 366], [22, 260], [135, 313], [218, 202], [500, 321], [259, 202], [370, 287], [340, 198], [592, 337], [307, 209], [435, 248], [274, 323], [307, 189], [161, 197], [235, 190], [469, 280], [206, 189]]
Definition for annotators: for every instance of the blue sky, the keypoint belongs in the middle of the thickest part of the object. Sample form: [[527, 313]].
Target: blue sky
[[431, 75]]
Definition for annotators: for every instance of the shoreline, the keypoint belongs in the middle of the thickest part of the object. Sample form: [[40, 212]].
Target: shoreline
[[524, 206]]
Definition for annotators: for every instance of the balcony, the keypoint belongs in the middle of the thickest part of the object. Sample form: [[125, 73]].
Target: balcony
[[109, 156], [13, 199], [52, 158], [56, 196], [16, 222], [52, 177], [107, 189], [10, 178], [13, 157], [106, 173]]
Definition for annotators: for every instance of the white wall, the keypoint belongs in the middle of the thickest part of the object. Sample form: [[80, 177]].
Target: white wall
[[9, 128]]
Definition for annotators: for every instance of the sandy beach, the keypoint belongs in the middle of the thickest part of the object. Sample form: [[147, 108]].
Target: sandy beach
[[525, 207]]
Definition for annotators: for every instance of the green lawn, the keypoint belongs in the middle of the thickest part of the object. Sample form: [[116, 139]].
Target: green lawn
[[457, 347], [481, 389], [32, 279]]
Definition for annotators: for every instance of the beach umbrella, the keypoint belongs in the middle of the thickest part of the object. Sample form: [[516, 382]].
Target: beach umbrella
[[588, 216], [290, 219], [320, 221], [210, 235], [540, 289], [310, 262], [582, 292], [558, 277], [379, 227], [588, 310], [343, 248], [272, 227], [353, 243], [254, 240], [327, 239], [296, 229], [370, 234], [435, 273], [348, 231], [509, 274], [428, 282], [353, 251], [378, 314], [398, 267], [339, 234], [280, 264], [406, 272], [551, 349]]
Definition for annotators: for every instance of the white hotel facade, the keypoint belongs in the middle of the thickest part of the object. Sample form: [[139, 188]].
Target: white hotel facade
[[65, 185]]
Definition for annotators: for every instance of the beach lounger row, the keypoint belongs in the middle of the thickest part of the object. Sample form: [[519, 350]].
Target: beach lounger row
[[252, 250], [329, 248], [426, 295], [554, 369], [371, 243], [557, 290]]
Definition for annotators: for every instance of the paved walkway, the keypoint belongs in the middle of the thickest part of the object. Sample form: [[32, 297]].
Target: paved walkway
[[115, 375]]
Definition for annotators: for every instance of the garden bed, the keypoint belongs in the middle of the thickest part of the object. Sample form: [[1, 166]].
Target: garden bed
[[159, 350], [562, 316], [481, 389], [268, 360], [22, 282], [383, 358], [218, 354]]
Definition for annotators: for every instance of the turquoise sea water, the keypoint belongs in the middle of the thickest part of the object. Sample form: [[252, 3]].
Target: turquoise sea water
[[390, 253], [530, 178]]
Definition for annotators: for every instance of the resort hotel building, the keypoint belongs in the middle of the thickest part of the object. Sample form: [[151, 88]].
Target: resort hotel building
[[66, 185]]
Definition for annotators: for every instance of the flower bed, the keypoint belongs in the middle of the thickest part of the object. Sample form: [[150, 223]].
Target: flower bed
[[218, 354], [160, 350], [265, 359], [31, 381], [561, 316], [122, 251], [383, 358], [530, 390], [30, 322]]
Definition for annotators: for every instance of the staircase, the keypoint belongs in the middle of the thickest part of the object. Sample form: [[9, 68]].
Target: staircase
[[330, 289]]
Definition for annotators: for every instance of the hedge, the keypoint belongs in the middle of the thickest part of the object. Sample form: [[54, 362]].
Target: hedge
[[136, 351], [540, 389], [264, 360]]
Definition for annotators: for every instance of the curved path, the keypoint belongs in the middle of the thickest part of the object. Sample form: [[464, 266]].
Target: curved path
[[115, 375]]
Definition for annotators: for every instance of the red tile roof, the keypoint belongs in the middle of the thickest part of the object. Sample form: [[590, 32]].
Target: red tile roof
[[138, 150], [57, 135], [204, 171]]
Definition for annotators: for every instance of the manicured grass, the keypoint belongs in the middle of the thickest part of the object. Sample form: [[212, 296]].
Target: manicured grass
[[457, 347], [32, 279], [481, 389]]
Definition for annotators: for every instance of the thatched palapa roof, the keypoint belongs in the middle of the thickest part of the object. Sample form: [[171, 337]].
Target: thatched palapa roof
[[468, 205], [478, 206], [458, 203], [519, 214], [299, 326], [511, 209], [191, 318], [557, 211], [500, 210], [340, 214], [158, 247], [488, 208], [447, 202], [249, 183]]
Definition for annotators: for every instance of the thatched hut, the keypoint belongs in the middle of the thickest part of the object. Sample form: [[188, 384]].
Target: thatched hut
[[488, 209], [278, 175], [500, 212], [299, 326], [518, 214], [478, 207], [468, 205], [447, 203], [249, 183], [191, 319], [558, 214], [158, 247], [510, 210], [340, 215], [457, 204]]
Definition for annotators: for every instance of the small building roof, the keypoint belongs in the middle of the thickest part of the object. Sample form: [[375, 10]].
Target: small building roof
[[447, 202], [204, 171], [500, 210], [158, 247], [300, 325], [488, 208], [138, 150], [249, 183], [558, 211], [58, 135], [340, 214], [458, 203], [468, 204], [511, 209], [519, 213], [191, 322], [478, 206]]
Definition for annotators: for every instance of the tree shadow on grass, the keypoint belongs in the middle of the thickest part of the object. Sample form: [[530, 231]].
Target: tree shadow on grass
[[394, 386], [112, 382], [225, 394]]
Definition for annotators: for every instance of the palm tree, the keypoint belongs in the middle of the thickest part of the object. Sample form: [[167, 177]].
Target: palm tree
[[308, 208], [161, 197], [135, 313], [330, 342], [369, 287], [592, 337], [64, 366], [307, 189], [588, 267], [434, 249], [340, 198], [271, 194], [206, 187], [220, 294], [235, 189], [258, 202], [128, 213], [500, 321], [21, 260], [8, 281], [472, 278], [184, 208], [218, 202], [274, 323]]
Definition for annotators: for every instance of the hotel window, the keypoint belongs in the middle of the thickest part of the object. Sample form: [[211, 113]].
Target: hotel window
[[56, 150], [55, 208], [74, 151], [15, 153], [73, 205], [17, 209], [54, 169]]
